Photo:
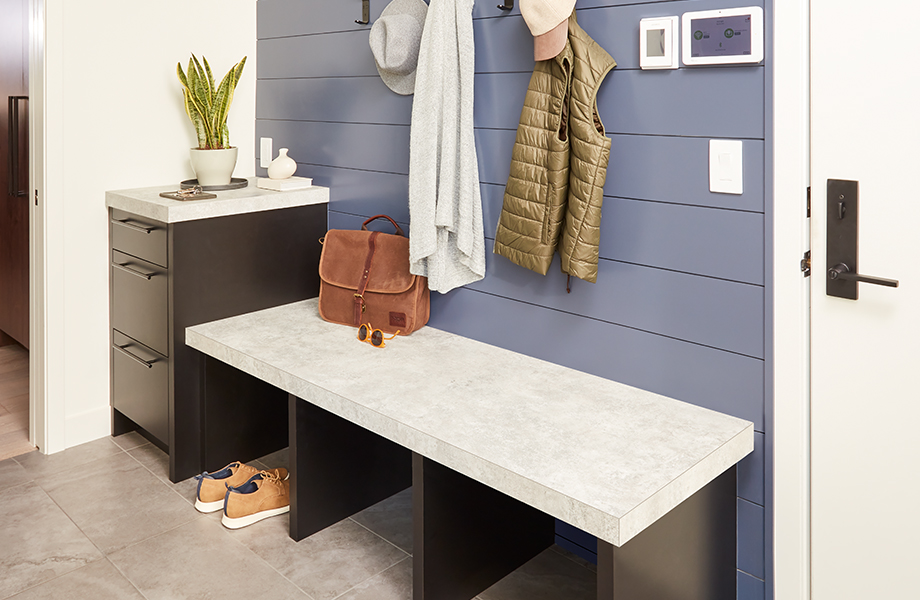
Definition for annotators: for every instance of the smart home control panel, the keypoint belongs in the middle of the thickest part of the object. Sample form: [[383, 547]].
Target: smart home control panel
[[719, 37]]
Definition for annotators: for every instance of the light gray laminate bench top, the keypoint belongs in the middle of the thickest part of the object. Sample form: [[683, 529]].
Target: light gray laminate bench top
[[147, 202], [605, 457]]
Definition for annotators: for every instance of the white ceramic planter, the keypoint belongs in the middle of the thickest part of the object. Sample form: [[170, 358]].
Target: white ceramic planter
[[213, 167], [283, 166]]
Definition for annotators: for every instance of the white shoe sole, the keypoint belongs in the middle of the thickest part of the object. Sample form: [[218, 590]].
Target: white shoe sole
[[209, 507], [253, 518]]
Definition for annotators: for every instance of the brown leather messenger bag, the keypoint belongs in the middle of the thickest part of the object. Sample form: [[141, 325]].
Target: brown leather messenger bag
[[365, 279]]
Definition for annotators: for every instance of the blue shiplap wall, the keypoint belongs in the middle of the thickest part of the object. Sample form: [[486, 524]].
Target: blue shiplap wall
[[679, 307]]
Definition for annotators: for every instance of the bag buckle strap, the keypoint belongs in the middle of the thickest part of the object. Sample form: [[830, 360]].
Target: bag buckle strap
[[360, 306]]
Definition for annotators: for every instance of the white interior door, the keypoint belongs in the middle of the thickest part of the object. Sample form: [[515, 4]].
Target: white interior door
[[865, 465]]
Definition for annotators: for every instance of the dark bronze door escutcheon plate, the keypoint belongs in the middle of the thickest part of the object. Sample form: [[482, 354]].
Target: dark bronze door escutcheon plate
[[843, 274]]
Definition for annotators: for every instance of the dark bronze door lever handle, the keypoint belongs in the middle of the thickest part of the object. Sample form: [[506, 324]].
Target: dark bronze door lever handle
[[841, 271]]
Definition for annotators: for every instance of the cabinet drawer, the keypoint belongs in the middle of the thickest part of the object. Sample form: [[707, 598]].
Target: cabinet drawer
[[140, 385], [139, 236], [139, 301]]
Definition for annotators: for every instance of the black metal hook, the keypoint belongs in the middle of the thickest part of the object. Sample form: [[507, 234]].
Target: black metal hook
[[365, 13], [508, 5]]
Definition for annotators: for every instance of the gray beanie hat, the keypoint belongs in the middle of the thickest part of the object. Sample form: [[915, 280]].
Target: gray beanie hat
[[395, 38]]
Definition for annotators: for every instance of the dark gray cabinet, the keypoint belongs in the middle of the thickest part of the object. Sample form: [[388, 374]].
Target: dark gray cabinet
[[165, 277]]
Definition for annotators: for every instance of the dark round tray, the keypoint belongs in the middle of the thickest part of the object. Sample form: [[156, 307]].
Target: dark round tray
[[235, 184]]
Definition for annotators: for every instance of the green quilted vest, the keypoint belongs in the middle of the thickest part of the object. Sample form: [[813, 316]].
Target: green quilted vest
[[559, 164]]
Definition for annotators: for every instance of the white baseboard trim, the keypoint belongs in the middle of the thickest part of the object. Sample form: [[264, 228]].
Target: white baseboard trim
[[88, 426]]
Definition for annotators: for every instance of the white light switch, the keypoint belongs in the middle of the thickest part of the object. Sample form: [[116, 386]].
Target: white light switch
[[265, 152], [725, 167]]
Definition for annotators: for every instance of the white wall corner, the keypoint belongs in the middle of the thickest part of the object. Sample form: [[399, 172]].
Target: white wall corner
[[88, 426]]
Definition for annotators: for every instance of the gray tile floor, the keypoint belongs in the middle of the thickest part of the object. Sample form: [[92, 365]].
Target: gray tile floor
[[102, 521]]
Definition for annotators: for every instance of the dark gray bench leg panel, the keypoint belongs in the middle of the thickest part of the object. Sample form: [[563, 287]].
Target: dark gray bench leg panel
[[688, 554], [338, 468], [243, 417], [468, 536]]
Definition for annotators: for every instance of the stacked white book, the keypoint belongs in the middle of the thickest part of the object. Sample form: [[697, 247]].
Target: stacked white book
[[285, 185]]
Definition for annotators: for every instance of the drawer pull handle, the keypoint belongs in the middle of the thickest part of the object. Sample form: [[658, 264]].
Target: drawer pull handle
[[131, 225], [146, 276], [133, 357]]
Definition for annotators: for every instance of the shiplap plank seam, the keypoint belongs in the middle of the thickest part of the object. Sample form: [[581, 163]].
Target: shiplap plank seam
[[609, 132], [612, 260], [614, 323], [651, 201]]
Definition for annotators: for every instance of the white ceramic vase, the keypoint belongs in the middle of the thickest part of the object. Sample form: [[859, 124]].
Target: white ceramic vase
[[283, 166], [213, 167]]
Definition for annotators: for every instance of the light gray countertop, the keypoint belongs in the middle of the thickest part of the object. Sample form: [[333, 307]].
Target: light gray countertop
[[147, 202], [605, 457]]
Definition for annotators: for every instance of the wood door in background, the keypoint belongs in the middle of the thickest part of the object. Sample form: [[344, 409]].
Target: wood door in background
[[14, 171]]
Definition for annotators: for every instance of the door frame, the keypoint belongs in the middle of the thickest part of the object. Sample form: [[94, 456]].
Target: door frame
[[46, 235], [790, 235]]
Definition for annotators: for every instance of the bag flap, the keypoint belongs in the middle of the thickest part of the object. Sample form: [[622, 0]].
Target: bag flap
[[344, 253]]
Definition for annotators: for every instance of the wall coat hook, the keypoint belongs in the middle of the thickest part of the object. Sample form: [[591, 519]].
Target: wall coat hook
[[365, 13], [508, 5]]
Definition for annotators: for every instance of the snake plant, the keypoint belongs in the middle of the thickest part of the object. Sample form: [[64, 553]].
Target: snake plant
[[207, 105]]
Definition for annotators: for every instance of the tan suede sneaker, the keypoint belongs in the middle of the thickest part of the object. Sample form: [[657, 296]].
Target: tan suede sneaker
[[212, 487], [264, 495]]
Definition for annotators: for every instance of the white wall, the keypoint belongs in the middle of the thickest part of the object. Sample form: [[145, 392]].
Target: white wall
[[114, 119]]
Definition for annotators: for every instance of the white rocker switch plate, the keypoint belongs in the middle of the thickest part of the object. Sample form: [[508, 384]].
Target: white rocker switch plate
[[726, 167]]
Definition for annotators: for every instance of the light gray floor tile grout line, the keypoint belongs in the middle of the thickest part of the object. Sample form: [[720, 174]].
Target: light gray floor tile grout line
[[167, 483], [101, 551], [19, 484], [128, 579], [34, 449], [66, 514], [380, 536], [104, 557], [205, 516], [89, 462], [197, 517], [407, 555], [405, 558], [41, 583], [270, 566], [132, 447], [83, 533]]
